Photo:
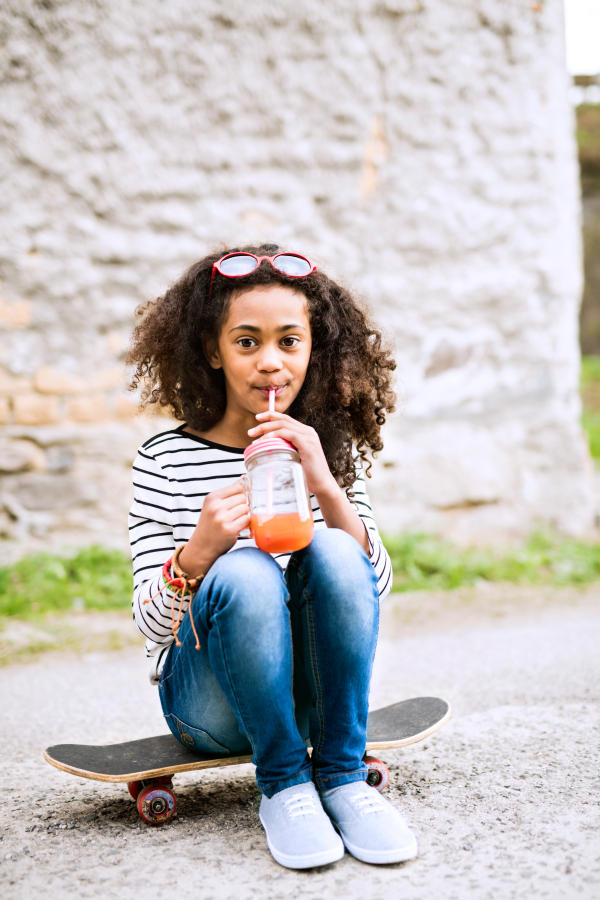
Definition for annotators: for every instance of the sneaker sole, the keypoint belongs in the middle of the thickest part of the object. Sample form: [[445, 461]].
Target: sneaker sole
[[324, 858], [381, 857]]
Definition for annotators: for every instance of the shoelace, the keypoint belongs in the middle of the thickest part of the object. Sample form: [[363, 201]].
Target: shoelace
[[367, 803], [300, 805]]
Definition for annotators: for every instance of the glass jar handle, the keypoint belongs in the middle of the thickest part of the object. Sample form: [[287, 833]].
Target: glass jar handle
[[246, 532]]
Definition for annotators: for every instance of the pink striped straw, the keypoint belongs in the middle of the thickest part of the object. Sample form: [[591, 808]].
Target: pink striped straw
[[270, 471]]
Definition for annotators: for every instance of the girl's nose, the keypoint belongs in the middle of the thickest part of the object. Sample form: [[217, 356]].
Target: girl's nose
[[270, 360]]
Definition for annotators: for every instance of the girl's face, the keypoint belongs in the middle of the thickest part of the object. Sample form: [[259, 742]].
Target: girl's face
[[265, 343]]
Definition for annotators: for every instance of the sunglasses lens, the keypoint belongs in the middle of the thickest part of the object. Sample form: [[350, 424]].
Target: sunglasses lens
[[291, 265], [238, 265]]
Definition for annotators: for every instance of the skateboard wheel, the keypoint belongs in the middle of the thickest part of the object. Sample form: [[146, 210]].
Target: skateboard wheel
[[134, 788], [156, 804], [378, 775]]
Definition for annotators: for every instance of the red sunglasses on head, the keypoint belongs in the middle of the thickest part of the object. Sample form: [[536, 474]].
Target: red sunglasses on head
[[236, 265]]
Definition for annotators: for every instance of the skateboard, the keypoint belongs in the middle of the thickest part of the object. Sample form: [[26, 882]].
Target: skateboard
[[148, 765]]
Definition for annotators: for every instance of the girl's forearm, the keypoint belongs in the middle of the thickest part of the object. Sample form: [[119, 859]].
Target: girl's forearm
[[339, 513], [194, 558]]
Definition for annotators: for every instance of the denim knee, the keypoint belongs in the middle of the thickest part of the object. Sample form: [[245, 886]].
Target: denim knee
[[246, 580], [336, 569], [336, 543], [338, 554]]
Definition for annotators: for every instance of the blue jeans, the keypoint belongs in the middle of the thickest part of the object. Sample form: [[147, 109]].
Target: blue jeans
[[282, 658]]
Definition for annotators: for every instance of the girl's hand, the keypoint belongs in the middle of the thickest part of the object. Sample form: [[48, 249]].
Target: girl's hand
[[306, 441], [224, 514], [337, 510]]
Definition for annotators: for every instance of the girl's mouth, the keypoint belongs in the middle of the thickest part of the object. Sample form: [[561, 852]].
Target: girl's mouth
[[278, 388]]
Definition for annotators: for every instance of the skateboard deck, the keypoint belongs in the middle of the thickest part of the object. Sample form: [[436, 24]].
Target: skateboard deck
[[388, 728]]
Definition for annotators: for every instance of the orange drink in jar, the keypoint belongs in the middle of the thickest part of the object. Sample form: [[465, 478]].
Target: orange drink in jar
[[282, 533], [280, 515]]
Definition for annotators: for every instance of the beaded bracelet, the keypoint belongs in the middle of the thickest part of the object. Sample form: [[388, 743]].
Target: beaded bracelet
[[180, 584], [177, 579]]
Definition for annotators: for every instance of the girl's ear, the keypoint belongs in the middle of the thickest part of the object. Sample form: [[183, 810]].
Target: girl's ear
[[211, 352]]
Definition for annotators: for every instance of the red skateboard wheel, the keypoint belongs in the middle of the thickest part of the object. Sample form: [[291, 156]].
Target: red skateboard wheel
[[135, 787], [378, 775], [156, 804]]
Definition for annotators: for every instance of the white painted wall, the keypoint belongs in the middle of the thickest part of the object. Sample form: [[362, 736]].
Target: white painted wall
[[421, 149]]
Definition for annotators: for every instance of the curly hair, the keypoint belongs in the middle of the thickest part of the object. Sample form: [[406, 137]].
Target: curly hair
[[347, 391]]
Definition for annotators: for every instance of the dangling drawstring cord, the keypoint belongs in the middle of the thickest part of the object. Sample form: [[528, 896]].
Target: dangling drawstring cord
[[183, 585]]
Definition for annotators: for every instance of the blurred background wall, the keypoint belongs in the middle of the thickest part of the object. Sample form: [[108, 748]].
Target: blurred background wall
[[588, 122], [421, 150]]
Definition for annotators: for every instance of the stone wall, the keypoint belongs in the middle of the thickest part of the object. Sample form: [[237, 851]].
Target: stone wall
[[420, 149]]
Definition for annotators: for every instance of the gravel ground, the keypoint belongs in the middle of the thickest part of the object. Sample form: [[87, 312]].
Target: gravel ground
[[503, 799], [79, 633]]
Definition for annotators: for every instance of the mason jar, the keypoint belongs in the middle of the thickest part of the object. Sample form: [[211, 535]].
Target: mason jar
[[281, 519]]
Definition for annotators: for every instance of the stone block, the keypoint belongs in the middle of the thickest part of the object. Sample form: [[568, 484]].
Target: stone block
[[457, 465], [126, 408], [13, 384], [91, 408], [49, 380], [106, 379], [15, 315], [59, 459], [49, 492], [64, 433], [117, 341], [8, 528], [32, 409], [20, 456]]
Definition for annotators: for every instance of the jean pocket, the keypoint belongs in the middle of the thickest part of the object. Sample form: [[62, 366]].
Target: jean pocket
[[162, 680], [194, 738]]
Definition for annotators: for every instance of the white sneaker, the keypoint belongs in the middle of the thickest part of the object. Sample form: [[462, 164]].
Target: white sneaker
[[299, 833], [372, 829]]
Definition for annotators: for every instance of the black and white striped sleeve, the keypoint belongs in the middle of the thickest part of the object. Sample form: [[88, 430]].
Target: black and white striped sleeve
[[378, 555], [152, 543]]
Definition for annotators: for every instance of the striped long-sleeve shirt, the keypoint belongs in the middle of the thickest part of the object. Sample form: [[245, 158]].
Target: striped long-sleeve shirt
[[172, 474]]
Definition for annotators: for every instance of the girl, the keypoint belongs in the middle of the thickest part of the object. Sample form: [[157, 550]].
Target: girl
[[272, 650]]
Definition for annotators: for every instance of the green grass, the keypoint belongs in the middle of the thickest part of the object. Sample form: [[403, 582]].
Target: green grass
[[96, 578], [426, 562], [100, 579], [590, 371], [590, 394], [590, 422]]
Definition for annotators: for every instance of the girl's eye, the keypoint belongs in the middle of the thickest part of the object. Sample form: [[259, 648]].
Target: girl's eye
[[290, 341], [246, 343]]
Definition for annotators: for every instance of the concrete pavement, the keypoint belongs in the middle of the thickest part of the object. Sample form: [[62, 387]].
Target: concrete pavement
[[504, 799]]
